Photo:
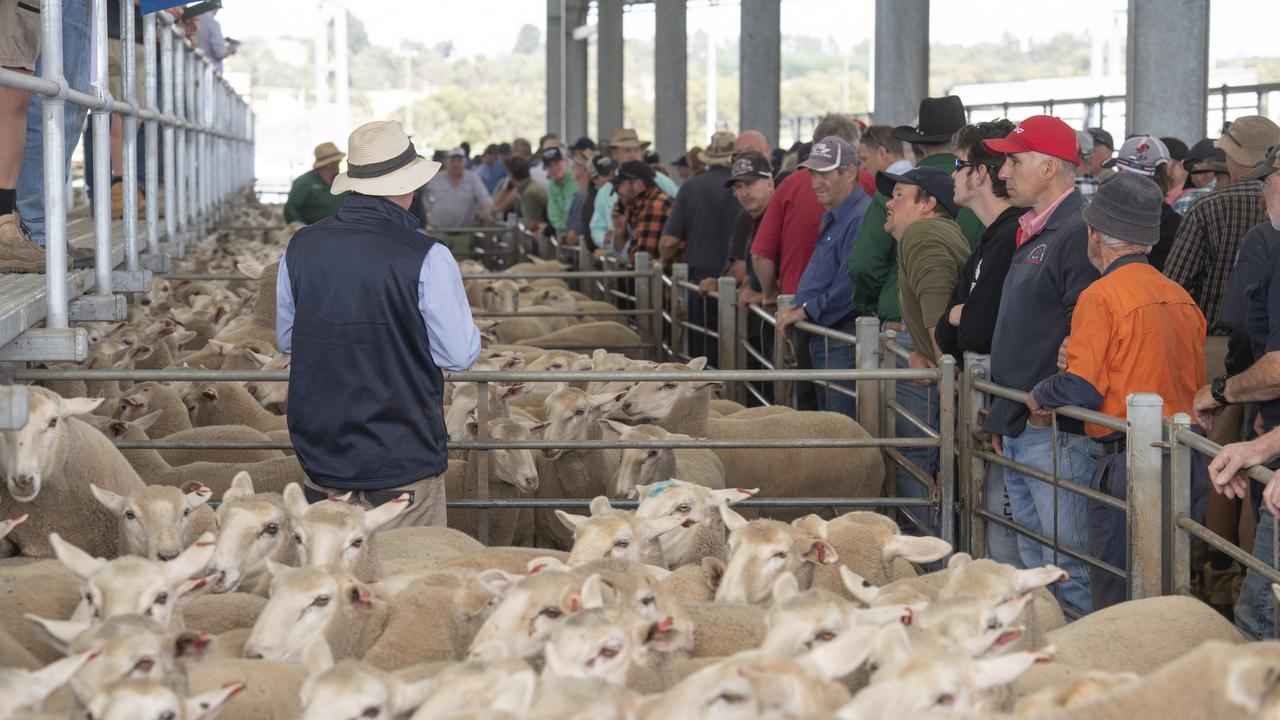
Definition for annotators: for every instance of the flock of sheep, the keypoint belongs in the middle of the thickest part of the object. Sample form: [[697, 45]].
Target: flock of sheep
[[128, 594]]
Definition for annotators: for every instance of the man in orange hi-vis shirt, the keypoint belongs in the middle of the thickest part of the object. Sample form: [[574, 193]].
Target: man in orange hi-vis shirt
[[1133, 330]]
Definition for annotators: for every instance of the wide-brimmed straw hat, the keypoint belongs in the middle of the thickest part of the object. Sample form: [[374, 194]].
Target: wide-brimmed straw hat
[[720, 151], [326, 153], [383, 162], [627, 138]]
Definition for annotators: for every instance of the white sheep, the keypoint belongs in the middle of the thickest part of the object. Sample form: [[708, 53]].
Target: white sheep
[[530, 609], [569, 472], [157, 521], [640, 466], [762, 550], [353, 690], [512, 473], [132, 699], [592, 334], [315, 616], [252, 528], [335, 532], [702, 533], [609, 533], [502, 686], [26, 689], [229, 403]]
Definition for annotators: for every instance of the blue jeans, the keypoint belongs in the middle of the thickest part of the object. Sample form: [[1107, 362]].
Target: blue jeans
[[704, 311], [922, 402], [834, 355], [1255, 607], [1032, 502], [1002, 543], [75, 67]]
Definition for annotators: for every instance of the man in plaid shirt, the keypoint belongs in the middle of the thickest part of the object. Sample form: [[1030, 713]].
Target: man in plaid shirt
[[642, 211]]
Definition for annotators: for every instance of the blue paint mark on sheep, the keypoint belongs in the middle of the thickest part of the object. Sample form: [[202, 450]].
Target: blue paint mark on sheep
[[661, 488]]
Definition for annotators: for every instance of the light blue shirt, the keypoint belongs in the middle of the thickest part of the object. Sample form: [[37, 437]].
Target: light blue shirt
[[455, 339]]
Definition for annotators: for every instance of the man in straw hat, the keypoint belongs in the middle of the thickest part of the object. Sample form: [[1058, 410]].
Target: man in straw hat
[[623, 147], [1132, 331], [310, 199], [372, 310]]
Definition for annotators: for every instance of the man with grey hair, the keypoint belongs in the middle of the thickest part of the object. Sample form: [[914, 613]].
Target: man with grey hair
[[1050, 268], [1126, 328]]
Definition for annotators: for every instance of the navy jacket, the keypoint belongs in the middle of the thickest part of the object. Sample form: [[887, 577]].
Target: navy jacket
[[365, 395]]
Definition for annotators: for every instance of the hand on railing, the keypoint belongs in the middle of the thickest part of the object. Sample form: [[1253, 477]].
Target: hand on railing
[[748, 297], [791, 316], [918, 361], [1226, 468], [1041, 416], [708, 285]]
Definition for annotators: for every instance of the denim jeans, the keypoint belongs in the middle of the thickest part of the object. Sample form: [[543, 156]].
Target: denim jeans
[[1002, 543], [833, 355], [703, 311], [1032, 502], [1255, 608], [75, 67], [922, 402]]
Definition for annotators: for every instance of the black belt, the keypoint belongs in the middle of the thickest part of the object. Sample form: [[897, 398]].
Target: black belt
[[1113, 447], [373, 497]]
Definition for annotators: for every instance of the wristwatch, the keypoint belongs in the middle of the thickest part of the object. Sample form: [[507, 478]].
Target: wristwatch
[[1218, 389]]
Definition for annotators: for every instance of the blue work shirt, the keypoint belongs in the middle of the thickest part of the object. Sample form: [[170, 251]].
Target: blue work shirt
[[491, 175], [455, 339], [825, 291]]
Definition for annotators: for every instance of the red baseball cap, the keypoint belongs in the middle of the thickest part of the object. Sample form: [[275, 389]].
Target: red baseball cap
[[1040, 133]]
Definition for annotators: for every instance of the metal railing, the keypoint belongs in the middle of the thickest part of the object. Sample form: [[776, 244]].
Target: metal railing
[[208, 157]]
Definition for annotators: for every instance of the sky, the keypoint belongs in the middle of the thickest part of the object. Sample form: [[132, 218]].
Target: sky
[[850, 21]]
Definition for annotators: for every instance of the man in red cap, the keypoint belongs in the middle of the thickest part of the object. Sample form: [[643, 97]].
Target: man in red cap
[[1050, 268]]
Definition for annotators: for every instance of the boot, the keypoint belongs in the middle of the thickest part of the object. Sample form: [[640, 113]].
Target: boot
[[117, 201], [17, 253]]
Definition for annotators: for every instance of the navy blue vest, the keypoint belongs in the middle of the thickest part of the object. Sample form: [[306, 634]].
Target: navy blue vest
[[365, 396]]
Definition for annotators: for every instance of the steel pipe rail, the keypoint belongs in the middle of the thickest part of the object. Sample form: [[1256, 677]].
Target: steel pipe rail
[[1077, 413], [801, 443], [576, 503], [474, 376]]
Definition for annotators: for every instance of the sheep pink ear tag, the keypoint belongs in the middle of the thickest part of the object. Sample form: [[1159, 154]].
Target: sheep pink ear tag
[[575, 604]]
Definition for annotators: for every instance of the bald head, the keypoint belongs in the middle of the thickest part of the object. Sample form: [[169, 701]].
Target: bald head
[[751, 140]]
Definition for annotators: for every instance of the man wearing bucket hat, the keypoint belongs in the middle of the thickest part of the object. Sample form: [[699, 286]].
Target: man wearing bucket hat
[[1126, 329], [372, 310], [310, 199]]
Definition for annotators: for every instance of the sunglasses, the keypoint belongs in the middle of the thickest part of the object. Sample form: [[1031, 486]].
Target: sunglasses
[[1226, 133], [963, 164]]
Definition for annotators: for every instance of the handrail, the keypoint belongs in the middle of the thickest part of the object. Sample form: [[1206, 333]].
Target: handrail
[[484, 376], [1077, 413]]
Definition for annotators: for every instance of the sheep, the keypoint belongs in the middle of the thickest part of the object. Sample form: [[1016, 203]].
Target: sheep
[[274, 396], [335, 532], [800, 621], [27, 689], [43, 587], [871, 545], [530, 609], [592, 334], [316, 615], [603, 642], [572, 416], [169, 421], [130, 585], [228, 403], [157, 521], [503, 686], [640, 466], [564, 698], [500, 296], [49, 464], [512, 560], [702, 534], [433, 618], [762, 550], [609, 533], [511, 474], [252, 528], [683, 407], [132, 699], [351, 689]]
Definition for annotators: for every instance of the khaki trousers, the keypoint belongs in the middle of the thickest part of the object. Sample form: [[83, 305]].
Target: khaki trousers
[[426, 504]]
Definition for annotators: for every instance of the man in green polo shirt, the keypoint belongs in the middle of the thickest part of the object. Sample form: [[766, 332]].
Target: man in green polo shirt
[[310, 198], [561, 187], [873, 263]]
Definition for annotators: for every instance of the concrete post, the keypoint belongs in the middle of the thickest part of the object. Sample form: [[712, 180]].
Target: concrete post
[[671, 72], [609, 69], [760, 68], [901, 60], [556, 40], [1146, 495], [1166, 81], [575, 86]]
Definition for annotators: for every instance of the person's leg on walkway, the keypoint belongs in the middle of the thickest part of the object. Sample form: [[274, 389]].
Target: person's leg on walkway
[[921, 402], [828, 354], [1254, 609], [704, 312], [806, 393], [1027, 449], [1107, 531], [1075, 464], [1002, 543]]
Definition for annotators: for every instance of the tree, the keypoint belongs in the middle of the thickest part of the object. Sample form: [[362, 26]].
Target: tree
[[528, 40]]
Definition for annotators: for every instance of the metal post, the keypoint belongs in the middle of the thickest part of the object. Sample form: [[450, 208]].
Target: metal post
[[1145, 419], [679, 311], [727, 326], [170, 135], [101, 119], [1179, 582], [55, 171], [482, 460], [867, 350], [782, 388], [742, 338], [947, 449], [178, 178], [973, 469], [151, 166], [644, 301], [129, 138], [655, 304]]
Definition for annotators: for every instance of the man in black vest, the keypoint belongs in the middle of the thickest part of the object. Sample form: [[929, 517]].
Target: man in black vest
[[371, 309]]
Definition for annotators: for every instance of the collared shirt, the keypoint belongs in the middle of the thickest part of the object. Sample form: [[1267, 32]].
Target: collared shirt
[[209, 38], [455, 339], [559, 196], [825, 291], [899, 166], [492, 174], [931, 257], [1183, 203], [1032, 223], [646, 216], [1088, 187], [1126, 328], [789, 228], [454, 205], [606, 196], [310, 199], [702, 218], [1204, 251]]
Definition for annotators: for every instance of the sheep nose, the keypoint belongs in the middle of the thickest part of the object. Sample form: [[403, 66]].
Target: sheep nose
[[626, 404], [166, 556], [253, 655], [23, 484], [145, 300]]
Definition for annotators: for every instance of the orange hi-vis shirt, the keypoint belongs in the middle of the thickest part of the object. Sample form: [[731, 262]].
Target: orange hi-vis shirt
[[1133, 330]]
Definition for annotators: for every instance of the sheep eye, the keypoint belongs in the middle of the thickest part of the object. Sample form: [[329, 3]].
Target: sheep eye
[[994, 624], [130, 515], [161, 599], [579, 412], [556, 366], [945, 699], [825, 636], [648, 600], [186, 513], [167, 715], [357, 542], [127, 340], [320, 601], [551, 613], [651, 454], [684, 508], [608, 652], [53, 423], [622, 543], [669, 386], [371, 712], [144, 665], [297, 538], [271, 529], [731, 698], [780, 555]]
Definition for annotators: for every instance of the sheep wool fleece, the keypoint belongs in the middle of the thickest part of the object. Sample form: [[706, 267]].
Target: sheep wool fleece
[[365, 396]]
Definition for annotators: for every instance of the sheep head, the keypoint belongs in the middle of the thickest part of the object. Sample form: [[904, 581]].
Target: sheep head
[[352, 690], [574, 416], [133, 699], [251, 529], [762, 550], [530, 609], [154, 519], [38, 449], [306, 605], [27, 689], [654, 401], [499, 686], [334, 532], [616, 534], [599, 643]]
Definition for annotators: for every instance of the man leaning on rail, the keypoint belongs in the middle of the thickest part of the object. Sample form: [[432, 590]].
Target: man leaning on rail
[[1132, 331], [372, 309], [1260, 384]]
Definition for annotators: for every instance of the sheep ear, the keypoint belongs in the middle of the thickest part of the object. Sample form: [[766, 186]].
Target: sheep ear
[[604, 400], [276, 568], [190, 561], [1248, 682], [206, 706], [811, 524], [259, 358], [873, 702], [698, 363], [1028, 580], [614, 425], [497, 582], [294, 500], [252, 270], [658, 574], [191, 646], [729, 496], [209, 393], [600, 505], [1004, 669], [146, 421], [222, 347], [7, 526], [386, 512], [593, 592], [859, 587], [1008, 611], [570, 521], [714, 569], [69, 407], [732, 520], [816, 550], [79, 562], [959, 560], [40, 683], [916, 549], [659, 526], [58, 633], [241, 486], [406, 696], [109, 500], [516, 695], [546, 564], [196, 494], [785, 588], [834, 660]]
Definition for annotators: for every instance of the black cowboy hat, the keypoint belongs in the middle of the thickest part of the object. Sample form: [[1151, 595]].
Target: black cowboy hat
[[940, 118]]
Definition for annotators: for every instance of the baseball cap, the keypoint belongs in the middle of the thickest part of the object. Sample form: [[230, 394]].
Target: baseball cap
[[582, 143], [682, 161], [1039, 133], [455, 152], [1204, 152], [1177, 149], [1246, 140], [1269, 165], [937, 183], [551, 154], [1141, 154], [1103, 138], [749, 165], [601, 166], [633, 170], [651, 157], [829, 153]]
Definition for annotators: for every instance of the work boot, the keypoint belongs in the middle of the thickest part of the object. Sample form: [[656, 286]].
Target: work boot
[[117, 201], [1220, 574], [17, 253]]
